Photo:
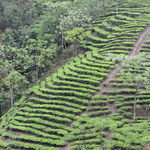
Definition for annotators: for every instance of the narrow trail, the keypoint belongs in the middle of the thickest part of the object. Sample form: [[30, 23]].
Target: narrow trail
[[136, 50], [143, 37]]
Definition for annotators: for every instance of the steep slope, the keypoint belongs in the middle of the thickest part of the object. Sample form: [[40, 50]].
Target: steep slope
[[47, 114], [115, 99]]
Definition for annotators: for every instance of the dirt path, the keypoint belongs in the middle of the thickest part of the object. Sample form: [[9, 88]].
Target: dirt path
[[143, 37], [136, 50]]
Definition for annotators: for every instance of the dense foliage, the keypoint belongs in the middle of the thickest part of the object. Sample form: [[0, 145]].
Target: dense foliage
[[75, 106], [33, 36]]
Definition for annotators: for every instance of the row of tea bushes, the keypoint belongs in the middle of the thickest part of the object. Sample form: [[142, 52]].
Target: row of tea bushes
[[43, 118]]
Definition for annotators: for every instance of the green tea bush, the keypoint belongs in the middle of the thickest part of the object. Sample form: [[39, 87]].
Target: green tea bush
[[37, 100], [94, 38]]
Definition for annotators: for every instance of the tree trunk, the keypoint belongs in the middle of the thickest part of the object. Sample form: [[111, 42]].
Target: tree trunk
[[37, 68], [62, 40], [11, 97], [37, 76], [135, 99], [75, 51], [0, 109]]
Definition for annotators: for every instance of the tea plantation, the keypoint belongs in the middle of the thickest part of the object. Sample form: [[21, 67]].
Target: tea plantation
[[86, 105]]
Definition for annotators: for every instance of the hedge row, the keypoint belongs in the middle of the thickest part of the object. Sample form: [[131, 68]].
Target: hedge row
[[110, 28], [41, 121], [78, 80], [83, 136], [55, 107], [120, 91], [56, 97], [96, 55], [58, 82], [94, 38], [46, 117], [66, 93], [95, 108], [83, 44], [94, 64], [100, 32], [78, 89], [90, 58], [99, 113], [34, 139], [124, 17], [3, 144], [23, 145], [44, 128], [33, 131], [116, 21], [48, 111], [98, 102], [37, 100], [77, 72]]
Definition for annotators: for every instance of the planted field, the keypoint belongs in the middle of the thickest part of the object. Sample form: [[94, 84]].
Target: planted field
[[84, 105]]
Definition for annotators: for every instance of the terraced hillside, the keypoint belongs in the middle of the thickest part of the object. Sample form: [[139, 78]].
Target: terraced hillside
[[76, 106]]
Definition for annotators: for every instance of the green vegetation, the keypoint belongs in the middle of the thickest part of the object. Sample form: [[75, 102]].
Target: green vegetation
[[84, 103]]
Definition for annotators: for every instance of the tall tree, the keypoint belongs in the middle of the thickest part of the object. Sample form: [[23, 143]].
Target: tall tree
[[75, 36], [74, 18], [14, 81], [49, 29], [134, 71], [94, 8]]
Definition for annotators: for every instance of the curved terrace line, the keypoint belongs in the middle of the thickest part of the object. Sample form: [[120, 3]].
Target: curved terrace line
[[142, 38]]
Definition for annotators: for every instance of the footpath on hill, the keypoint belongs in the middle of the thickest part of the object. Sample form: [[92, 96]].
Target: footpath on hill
[[144, 36], [136, 50]]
